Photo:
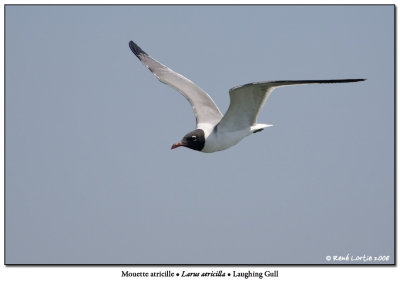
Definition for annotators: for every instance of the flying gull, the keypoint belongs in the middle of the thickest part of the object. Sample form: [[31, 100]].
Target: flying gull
[[214, 131]]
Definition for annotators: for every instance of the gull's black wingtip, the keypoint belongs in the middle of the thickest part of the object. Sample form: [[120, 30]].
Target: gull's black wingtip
[[341, 80], [136, 49], [357, 79], [335, 80]]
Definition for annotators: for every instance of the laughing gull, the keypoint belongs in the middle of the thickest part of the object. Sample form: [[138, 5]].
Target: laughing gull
[[214, 131]]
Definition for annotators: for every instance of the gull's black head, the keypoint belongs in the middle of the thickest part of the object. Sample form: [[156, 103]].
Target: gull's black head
[[193, 140]]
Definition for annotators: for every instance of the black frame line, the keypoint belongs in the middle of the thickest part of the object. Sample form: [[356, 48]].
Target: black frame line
[[394, 264]]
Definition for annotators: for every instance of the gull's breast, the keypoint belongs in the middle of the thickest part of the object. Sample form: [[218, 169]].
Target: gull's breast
[[221, 140]]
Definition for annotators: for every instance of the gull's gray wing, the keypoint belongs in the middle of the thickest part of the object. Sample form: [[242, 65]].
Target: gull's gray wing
[[204, 108], [247, 101]]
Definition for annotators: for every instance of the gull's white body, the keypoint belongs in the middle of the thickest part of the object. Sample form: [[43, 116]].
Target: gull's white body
[[240, 120], [218, 140], [221, 140]]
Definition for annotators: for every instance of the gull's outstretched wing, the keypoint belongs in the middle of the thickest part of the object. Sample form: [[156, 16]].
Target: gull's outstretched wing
[[204, 108], [247, 101]]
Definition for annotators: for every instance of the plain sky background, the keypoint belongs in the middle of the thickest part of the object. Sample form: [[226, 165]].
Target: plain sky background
[[91, 179]]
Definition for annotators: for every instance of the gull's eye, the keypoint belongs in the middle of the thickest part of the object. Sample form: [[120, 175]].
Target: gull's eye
[[194, 137]]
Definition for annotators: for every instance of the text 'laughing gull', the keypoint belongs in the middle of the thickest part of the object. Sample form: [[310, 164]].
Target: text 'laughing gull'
[[214, 131]]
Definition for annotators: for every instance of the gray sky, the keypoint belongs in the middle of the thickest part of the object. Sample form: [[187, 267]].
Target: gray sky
[[90, 177]]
